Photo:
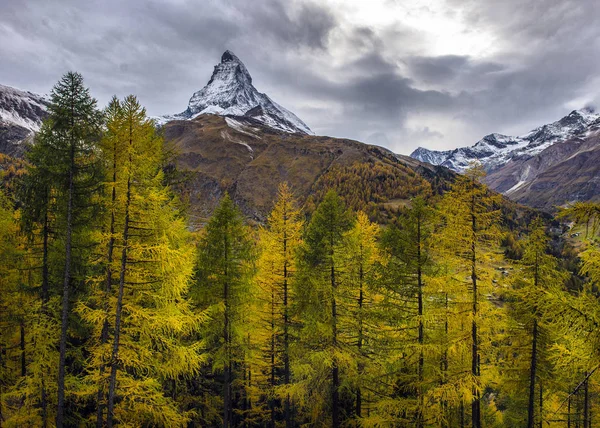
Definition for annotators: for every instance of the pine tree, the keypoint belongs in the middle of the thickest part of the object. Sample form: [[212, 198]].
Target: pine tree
[[59, 195], [222, 288], [70, 145]]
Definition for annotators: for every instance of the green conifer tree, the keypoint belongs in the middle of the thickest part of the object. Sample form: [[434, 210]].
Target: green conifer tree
[[324, 356], [222, 288]]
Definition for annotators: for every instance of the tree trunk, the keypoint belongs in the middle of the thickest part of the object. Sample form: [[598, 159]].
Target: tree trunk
[[335, 379], [421, 329], [586, 403], [45, 290], [532, 375], [541, 406], [107, 289], [569, 413], [476, 403], [360, 336], [115, 351], [66, 286], [286, 326], [22, 348], [272, 398], [227, 400], [45, 299]]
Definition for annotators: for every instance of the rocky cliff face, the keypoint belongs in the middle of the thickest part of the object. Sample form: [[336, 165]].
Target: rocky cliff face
[[230, 92], [21, 115]]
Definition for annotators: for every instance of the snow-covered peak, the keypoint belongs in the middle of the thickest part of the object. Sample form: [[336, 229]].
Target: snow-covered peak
[[495, 150], [230, 92], [22, 108], [571, 125]]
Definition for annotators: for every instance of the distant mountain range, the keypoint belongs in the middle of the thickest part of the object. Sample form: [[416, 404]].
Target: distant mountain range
[[552, 165]]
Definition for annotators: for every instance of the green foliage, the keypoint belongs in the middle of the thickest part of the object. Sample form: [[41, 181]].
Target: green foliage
[[222, 288]]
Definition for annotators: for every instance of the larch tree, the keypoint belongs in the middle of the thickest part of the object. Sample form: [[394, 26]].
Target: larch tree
[[42, 258], [530, 333], [469, 238], [222, 288], [279, 241], [144, 324], [318, 286], [406, 244], [576, 316], [358, 297], [13, 301]]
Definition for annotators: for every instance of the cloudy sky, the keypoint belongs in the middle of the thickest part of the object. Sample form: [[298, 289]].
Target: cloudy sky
[[402, 74]]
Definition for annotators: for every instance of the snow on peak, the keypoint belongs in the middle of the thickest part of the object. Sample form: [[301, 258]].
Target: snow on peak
[[495, 150], [22, 108], [230, 92]]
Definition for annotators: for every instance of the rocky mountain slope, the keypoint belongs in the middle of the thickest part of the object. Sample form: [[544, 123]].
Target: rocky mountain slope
[[21, 115], [249, 160], [496, 150], [564, 172], [230, 92]]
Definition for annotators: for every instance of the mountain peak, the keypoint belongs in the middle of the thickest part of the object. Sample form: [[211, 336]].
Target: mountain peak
[[229, 56], [230, 92]]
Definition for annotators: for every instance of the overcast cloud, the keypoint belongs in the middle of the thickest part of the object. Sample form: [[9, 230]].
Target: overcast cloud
[[433, 73]]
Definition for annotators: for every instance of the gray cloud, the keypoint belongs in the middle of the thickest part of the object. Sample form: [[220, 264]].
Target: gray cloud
[[377, 83]]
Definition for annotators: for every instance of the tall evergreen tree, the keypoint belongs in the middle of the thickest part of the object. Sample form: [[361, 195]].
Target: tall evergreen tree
[[65, 157]]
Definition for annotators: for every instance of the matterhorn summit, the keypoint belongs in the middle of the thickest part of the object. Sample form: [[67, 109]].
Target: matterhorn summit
[[230, 92]]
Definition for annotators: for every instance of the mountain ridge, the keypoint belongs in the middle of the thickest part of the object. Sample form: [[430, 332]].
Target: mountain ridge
[[21, 116], [495, 150], [553, 165]]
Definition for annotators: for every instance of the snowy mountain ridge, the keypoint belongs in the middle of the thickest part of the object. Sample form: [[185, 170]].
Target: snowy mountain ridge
[[496, 150], [230, 92], [21, 115]]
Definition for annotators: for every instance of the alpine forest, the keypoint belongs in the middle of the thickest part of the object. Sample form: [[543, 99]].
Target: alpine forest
[[376, 299]]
